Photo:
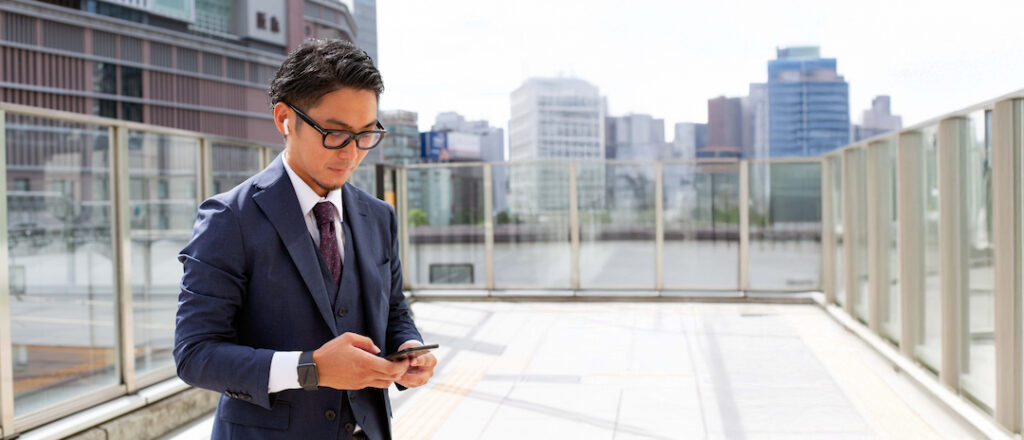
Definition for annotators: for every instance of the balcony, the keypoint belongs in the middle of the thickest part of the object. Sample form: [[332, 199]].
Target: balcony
[[593, 298]]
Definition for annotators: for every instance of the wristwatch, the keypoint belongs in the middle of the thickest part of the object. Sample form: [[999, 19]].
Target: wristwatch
[[309, 379]]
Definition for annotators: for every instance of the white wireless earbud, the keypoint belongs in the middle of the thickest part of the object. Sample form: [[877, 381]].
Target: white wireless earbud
[[286, 126]]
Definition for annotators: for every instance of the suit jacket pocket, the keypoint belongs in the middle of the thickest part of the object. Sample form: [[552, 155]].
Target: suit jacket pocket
[[244, 413]]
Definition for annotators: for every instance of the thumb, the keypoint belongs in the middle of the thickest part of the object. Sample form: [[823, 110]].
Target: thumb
[[365, 344]]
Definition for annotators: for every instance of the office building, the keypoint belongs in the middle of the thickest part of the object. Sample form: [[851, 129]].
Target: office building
[[491, 141], [878, 120], [552, 119], [366, 23], [689, 137], [201, 65], [808, 104], [725, 122], [635, 137]]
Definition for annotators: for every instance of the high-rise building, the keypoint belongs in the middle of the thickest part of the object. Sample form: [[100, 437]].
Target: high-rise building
[[214, 17], [201, 65], [402, 143], [491, 142], [755, 122], [555, 118], [689, 137], [366, 22], [492, 139], [635, 137], [725, 122], [878, 120], [808, 104]]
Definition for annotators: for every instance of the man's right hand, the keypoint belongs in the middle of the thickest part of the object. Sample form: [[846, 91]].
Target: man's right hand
[[350, 362]]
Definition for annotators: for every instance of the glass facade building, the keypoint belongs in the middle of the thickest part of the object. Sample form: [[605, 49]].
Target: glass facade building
[[808, 104]]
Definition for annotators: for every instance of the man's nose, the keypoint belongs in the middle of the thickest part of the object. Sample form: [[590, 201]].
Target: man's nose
[[350, 152]]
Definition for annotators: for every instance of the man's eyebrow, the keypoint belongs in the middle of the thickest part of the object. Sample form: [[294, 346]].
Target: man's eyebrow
[[346, 126]]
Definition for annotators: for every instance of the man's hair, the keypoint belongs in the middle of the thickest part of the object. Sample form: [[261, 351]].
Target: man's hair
[[319, 67]]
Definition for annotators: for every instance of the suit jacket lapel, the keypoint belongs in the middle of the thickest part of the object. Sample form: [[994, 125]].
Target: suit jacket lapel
[[363, 243], [278, 202]]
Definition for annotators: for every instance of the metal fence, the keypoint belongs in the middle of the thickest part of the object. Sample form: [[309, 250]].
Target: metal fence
[[914, 234]]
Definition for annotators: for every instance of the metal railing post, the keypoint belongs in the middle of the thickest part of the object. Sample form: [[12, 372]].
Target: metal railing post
[[828, 247], [574, 230], [659, 228], [205, 169], [744, 206], [120, 207], [849, 236], [953, 142], [1007, 142], [911, 205], [877, 215], [403, 224], [6, 350], [488, 226]]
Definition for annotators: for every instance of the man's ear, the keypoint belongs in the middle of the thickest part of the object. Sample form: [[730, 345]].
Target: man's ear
[[281, 118]]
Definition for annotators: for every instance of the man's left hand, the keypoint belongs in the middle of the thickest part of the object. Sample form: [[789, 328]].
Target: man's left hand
[[421, 368]]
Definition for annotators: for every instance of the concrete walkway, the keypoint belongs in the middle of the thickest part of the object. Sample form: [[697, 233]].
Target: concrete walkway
[[653, 371]]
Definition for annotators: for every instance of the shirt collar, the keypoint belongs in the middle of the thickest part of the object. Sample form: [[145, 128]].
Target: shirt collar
[[309, 198]]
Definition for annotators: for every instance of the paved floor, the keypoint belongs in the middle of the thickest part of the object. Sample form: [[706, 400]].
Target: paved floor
[[653, 371]]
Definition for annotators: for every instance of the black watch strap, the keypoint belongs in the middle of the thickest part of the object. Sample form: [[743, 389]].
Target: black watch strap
[[309, 378]]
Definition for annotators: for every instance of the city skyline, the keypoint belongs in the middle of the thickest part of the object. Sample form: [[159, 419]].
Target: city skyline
[[476, 53]]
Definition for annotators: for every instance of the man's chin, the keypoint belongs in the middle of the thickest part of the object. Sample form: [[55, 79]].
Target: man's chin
[[332, 184]]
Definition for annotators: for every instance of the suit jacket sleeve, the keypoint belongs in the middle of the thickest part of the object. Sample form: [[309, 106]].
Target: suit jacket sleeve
[[401, 327], [213, 289]]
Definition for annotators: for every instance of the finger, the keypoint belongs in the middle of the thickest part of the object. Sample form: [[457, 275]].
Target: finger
[[386, 367], [364, 343], [431, 361]]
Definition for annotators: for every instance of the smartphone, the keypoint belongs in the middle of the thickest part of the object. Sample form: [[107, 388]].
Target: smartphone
[[410, 352]]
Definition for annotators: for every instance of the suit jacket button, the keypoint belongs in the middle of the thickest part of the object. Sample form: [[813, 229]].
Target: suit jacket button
[[349, 427], [342, 312], [351, 397], [330, 415]]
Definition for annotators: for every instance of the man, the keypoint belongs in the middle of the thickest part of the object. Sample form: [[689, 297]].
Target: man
[[292, 291]]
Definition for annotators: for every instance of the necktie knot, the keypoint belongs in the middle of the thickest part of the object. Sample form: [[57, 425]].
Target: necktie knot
[[323, 212]]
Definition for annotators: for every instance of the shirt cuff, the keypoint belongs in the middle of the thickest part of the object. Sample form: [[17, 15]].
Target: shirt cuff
[[284, 374], [417, 341]]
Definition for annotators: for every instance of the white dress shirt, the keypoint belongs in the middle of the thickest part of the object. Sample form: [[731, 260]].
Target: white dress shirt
[[284, 364]]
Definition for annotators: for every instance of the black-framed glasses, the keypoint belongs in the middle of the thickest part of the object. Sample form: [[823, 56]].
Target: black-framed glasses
[[337, 139]]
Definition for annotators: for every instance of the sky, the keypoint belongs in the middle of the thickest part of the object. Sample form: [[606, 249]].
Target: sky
[[667, 58]]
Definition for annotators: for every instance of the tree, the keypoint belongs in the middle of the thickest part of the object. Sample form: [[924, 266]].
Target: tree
[[418, 218]]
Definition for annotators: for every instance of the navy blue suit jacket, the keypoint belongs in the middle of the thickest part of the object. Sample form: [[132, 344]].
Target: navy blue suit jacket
[[253, 285]]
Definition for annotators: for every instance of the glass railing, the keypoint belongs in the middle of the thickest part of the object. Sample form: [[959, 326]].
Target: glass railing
[[926, 249], [900, 232], [597, 226], [96, 213]]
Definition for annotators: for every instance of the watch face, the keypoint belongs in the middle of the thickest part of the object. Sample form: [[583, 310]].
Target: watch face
[[308, 377]]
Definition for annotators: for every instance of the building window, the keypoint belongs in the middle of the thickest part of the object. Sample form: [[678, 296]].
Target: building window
[[131, 111], [261, 20], [274, 26], [131, 81], [20, 184], [105, 108], [308, 31], [104, 78]]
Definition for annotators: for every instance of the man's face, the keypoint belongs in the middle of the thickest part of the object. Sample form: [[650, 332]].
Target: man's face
[[343, 109]]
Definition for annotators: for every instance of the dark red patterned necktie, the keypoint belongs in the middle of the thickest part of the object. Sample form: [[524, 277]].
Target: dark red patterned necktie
[[324, 214]]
